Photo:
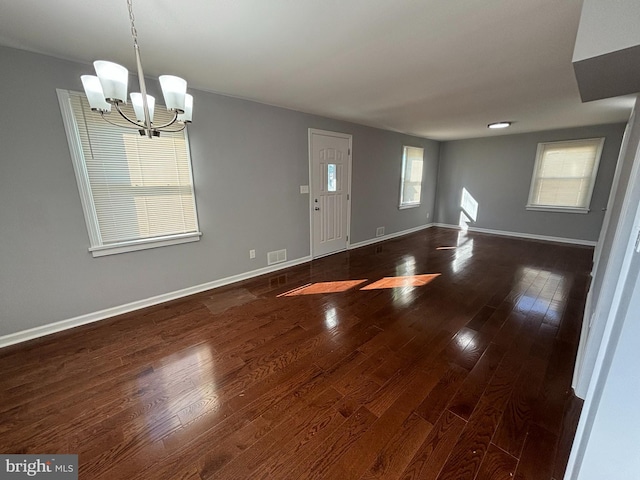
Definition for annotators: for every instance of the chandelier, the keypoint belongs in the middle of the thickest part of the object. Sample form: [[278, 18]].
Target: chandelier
[[109, 88]]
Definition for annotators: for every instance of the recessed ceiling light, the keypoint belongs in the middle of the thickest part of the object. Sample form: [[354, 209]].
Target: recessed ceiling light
[[499, 125]]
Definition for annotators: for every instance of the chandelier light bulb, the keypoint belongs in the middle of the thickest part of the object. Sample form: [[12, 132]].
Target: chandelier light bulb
[[188, 109], [114, 79], [174, 90], [138, 108], [95, 95]]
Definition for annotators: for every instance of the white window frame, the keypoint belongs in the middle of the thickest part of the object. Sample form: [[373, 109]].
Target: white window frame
[[97, 248], [403, 205], [557, 208]]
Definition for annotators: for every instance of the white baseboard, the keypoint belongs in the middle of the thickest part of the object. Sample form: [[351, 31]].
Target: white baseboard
[[371, 241], [446, 225], [61, 325], [530, 236]]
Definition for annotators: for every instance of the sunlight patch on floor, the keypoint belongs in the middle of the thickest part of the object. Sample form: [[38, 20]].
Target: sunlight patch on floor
[[323, 287], [399, 282]]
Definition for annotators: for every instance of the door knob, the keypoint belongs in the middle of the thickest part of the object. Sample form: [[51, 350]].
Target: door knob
[[317, 208]]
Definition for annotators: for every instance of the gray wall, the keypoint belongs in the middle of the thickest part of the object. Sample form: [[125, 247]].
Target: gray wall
[[248, 160], [497, 173]]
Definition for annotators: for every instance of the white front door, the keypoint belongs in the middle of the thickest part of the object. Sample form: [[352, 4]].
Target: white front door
[[330, 164]]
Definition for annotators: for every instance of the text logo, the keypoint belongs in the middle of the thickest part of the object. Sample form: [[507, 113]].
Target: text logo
[[45, 467]]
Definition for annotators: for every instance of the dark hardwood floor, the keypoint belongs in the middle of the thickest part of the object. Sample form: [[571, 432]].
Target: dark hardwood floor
[[461, 371]]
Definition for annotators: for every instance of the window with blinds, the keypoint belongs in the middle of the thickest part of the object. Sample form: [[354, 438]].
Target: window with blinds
[[564, 175], [137, 192], [411, 181]]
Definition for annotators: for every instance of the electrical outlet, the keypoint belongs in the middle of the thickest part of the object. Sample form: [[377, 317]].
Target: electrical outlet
[[252, 253], [428, 215]]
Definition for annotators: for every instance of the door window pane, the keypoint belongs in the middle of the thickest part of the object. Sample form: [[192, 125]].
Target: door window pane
[[331, 177]]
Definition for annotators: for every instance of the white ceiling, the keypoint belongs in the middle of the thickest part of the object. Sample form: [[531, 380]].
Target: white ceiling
[[441, 69]]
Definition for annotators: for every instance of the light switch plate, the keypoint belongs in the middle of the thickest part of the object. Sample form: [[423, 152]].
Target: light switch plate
[[304, 188]]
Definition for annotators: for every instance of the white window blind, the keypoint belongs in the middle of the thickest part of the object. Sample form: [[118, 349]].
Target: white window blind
[[411, 182], [564, 175], [137, 192]]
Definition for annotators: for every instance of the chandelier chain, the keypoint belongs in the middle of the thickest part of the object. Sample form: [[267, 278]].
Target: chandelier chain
[[134, 32]]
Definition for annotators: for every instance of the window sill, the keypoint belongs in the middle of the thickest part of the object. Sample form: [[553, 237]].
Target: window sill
[[542, 208], [409, 205], [144, 244]]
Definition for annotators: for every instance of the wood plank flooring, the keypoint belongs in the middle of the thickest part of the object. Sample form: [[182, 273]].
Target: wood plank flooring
[[335, 369]]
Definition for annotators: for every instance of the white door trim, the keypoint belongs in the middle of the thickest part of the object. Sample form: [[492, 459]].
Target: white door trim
[[579, 384], [599, 347], [606, 349], [598, 314], [311, 193]]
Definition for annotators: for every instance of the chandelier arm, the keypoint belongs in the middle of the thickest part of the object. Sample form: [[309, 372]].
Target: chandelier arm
[[184, 125], [168, 124], [123, 115], [161, 128]]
